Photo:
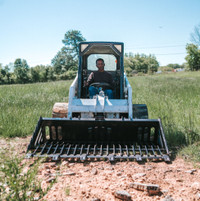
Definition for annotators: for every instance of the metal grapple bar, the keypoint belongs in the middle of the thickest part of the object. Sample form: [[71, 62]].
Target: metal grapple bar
[[90, 139]]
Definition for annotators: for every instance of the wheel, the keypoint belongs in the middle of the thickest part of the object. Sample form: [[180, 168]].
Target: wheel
[[140, 111]]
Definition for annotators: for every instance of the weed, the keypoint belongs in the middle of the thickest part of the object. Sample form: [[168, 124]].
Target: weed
[[67, 191], [15, 184]]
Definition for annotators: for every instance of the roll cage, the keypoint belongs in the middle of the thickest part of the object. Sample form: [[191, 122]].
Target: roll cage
[[106, 48]]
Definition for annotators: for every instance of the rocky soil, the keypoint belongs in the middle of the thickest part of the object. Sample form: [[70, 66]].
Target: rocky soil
[[102, 180]]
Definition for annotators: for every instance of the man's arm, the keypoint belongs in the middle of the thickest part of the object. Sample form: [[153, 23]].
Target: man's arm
[[90, 79]]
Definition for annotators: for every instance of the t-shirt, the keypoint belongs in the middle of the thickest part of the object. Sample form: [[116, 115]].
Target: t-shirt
[[98, 76]]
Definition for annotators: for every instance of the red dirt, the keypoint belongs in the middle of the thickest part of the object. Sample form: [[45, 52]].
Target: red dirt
[[100, 180]]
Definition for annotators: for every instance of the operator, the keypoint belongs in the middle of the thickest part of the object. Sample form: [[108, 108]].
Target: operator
[[100, 76]]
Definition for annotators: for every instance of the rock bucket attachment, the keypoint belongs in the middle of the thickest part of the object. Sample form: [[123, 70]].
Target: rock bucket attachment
[[85, 139]]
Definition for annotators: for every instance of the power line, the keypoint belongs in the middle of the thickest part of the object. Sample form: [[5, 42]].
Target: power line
[[154, 47], [171, 53]]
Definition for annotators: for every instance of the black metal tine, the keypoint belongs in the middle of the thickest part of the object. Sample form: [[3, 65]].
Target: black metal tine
[[101, 149], [159, 150], [68, 149], [114, 149], [120, 149], [81, 150], [56, 148], [50, 147], [94, 151], [140, 150], [153, 150], [62, 149], [127, 153], [36, 149], [42, 151], [107, 150], [75, 148], [145, 147], [88, 149], [39, 137], [133, 148]]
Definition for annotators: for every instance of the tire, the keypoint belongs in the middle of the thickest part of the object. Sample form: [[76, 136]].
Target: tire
[[140, 111]]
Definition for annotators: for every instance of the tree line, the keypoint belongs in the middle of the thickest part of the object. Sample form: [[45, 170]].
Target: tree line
[[65, 63]]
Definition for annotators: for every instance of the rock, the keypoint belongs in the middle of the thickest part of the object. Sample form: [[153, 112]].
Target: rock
[[52, 179], [69, 173], [119, 174], [198, 196], [64, 163], [71, 164], [196, 186], [151, 189], [122, 195], [44, 185], [94, 171], [179, 180], [109, 168], [53, 165], [191, 171], [139, 175], [168, 170], [164, 191], [168, 198]]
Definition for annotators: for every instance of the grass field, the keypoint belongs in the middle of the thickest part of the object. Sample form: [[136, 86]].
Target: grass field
[[175, 98], [22, 105]]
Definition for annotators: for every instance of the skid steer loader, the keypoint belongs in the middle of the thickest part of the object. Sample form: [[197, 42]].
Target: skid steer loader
[[99, 128]]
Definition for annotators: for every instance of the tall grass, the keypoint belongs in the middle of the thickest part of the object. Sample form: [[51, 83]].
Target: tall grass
[[175, 98], [22, 105]]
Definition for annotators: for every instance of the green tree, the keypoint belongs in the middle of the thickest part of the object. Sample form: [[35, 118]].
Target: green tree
[[175, 66], [193, 57], [42, 73], [72, 39], [64, 60], [5, 75], [67, 58], [141, 63], [195, 35], [153, 64], [2, 74], [21, 70]]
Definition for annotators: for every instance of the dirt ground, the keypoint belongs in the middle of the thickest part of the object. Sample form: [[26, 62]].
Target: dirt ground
[[102, 180]]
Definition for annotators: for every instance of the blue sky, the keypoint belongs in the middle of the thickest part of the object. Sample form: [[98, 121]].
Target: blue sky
[[33, 29]]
